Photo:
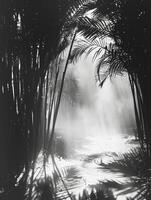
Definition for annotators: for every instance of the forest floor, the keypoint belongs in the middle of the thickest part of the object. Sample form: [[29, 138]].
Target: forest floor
[[85, 169]]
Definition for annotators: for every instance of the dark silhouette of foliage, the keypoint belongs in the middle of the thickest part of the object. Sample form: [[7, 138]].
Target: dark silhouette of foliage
[[44, 190], [136, 165], [101, 193], [29, 40], [30, 33]]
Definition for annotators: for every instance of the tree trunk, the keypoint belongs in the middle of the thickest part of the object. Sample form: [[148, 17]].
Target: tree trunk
[[145, 84], [50, 145]]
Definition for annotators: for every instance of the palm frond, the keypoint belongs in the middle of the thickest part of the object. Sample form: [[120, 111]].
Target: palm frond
[[133, 163], [136, 165], [83, 46], [77, 9], [93, 29]]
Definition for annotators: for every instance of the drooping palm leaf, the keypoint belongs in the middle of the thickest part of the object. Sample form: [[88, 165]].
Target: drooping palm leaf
[[84, 46], [94, 28]]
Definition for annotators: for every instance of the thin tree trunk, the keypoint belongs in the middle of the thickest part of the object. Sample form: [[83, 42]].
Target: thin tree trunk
[[60, 92], [138, 109], [143, 123], [135, 106], [52, 103], [46, 85]]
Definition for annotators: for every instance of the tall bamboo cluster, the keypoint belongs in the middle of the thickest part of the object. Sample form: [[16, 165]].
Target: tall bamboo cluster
[[29, 36]]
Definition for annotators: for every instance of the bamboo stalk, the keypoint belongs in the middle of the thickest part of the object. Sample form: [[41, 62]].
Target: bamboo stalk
[[60, 91], [135, 105], [52, 102], [137, 108]]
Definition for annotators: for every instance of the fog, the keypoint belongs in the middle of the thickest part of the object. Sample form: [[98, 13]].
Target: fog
[[92, 118], [94, 125]]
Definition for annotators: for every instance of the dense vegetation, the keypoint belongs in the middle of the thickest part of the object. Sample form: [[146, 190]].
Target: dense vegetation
[[33, 35]]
